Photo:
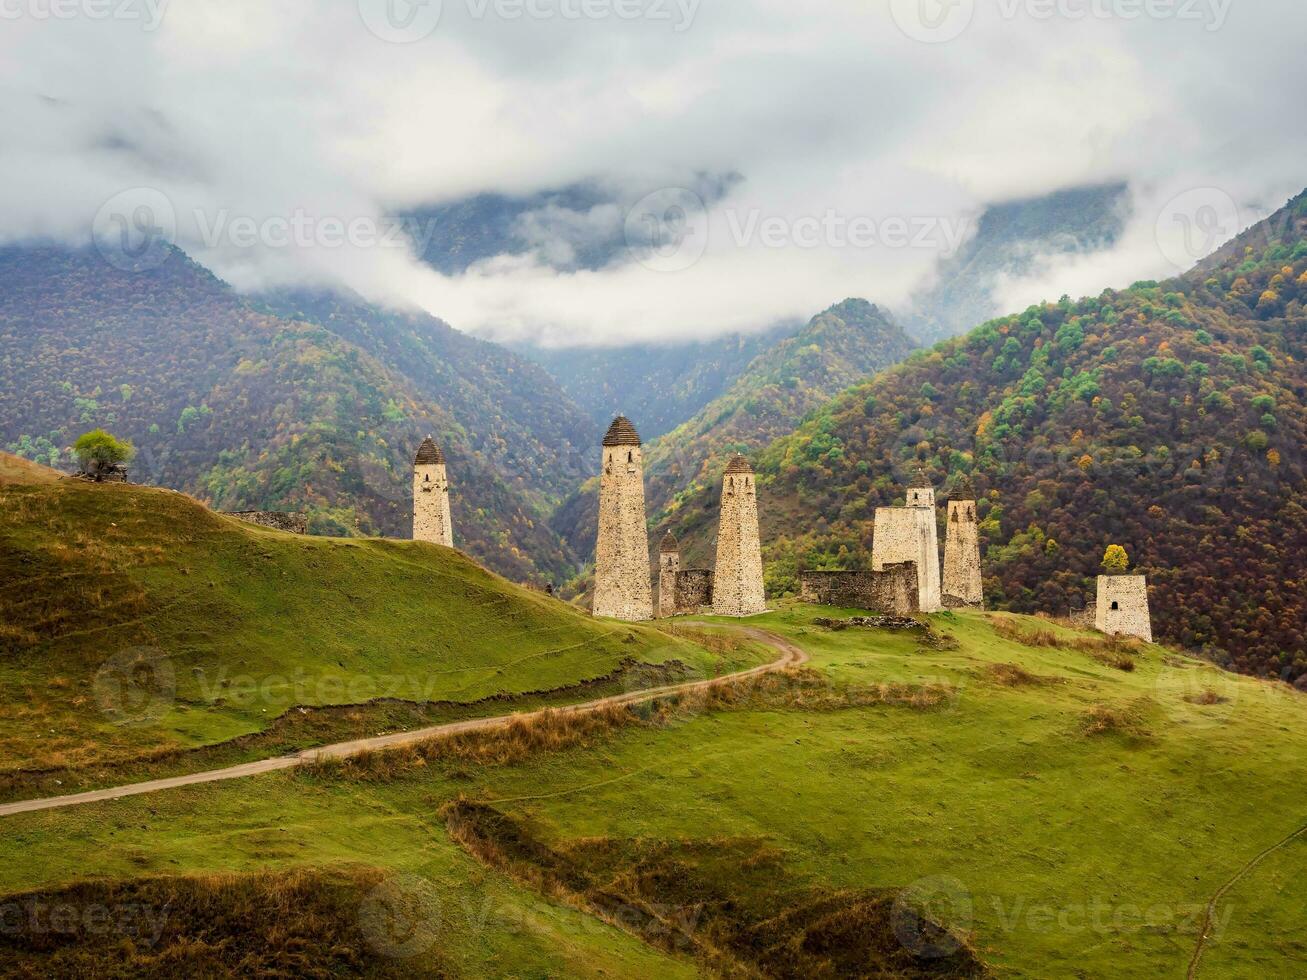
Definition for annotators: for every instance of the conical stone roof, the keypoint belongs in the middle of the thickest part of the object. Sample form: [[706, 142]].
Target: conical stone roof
[[622, 433], [738, 465], [921, 481], [963, 489], [670, 545], [429, 453]]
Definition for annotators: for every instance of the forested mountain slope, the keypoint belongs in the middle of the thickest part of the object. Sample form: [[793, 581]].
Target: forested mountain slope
[[836, 348], [238, 407], [1168, 418]]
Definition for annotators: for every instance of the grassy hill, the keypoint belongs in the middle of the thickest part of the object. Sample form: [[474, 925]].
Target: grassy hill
[[780, 386], [251, 411], [16, 470], [991, 794], [1168, 417], [136, 626]]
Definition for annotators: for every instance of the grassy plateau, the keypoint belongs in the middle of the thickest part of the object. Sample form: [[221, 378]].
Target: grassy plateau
[[978, 795]]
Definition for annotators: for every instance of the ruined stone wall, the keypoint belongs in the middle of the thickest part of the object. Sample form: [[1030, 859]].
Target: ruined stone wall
[[738, 586], [693, 590], [1122, 606], [962, 587], [431, 517], [909, 534], [893, 591], [669, 564], [622, 586], [290, 523]]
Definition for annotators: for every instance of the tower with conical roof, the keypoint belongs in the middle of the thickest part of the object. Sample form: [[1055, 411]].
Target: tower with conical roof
[[737, 580], [622, 586], [910, 533], [431, 517], [669, 564], [962, 587]]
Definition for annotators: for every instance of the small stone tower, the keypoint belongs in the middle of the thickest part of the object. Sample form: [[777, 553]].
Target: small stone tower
[[737, 581], [962, 585], [910, 534], [1123, 606], [431, 520], [622, 586], [669, 563]]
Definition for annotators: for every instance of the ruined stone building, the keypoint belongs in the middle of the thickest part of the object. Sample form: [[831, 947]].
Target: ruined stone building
[[909, 533], [681, 591], [669, 565], [291, 523], [962, 588], [894, 591], [737, 583], [622, 585], [431, 518], [1122, 607]]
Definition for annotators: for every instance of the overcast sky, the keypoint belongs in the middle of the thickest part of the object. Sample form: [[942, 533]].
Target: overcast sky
[[857, 140]]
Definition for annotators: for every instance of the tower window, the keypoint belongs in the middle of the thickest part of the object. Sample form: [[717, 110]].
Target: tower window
[[427, 478], [630, 456], [1116, 607]]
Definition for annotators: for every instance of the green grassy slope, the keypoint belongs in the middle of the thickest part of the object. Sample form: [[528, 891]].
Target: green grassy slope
[[15, 469], [135, 620], [1057, 843]]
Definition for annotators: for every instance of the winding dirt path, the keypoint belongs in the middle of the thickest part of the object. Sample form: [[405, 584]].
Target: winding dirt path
[[791, 656], [1221, 892]]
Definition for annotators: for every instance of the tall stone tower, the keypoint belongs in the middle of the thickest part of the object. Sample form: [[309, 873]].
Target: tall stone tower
[[962, 585], [737, 582], [622, 586], [431, 520], [909, 534], [669, 563], [1123, 607]]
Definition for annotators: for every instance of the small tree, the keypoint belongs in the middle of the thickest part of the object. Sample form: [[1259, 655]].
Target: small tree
[[99, 452], [1115, 560]]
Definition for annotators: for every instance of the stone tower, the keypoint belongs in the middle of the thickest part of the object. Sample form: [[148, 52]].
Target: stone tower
[[910, 534], [622, 586], [737, 581], [431, 520], [669, 563], [962, 587], [1123, 606]]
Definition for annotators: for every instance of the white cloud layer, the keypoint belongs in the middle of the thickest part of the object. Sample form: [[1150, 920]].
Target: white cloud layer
[[865, 153]]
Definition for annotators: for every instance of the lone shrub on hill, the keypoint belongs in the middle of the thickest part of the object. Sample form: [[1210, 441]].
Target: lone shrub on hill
[[99, 452], [1115, 560]]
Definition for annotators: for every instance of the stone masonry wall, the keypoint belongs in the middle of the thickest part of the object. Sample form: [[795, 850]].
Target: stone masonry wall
[[738, 585], [622, 586], [278, 521], [693, 590], [962, 587], [909, 534], [669, 564], [1122, 606], [431, 516], [892, 592]]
